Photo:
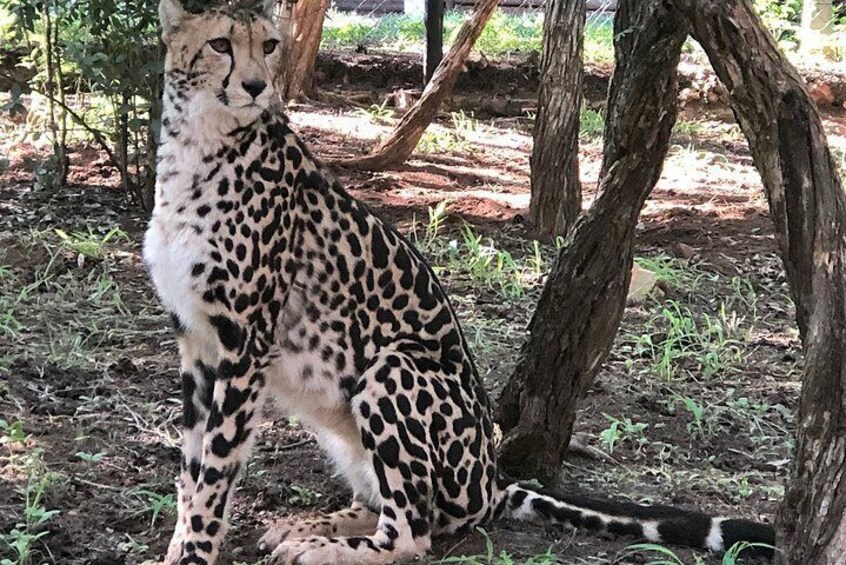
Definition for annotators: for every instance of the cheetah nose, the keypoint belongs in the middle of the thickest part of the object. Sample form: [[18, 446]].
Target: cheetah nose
[[254, 87]]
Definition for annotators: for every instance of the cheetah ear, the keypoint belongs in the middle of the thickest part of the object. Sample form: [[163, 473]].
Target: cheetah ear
[[171, 14]]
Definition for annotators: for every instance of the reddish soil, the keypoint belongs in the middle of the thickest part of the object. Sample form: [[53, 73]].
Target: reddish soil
[[116, 394]]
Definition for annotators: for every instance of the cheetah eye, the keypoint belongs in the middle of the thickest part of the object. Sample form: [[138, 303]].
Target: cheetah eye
[[270, 46], [221, 45]]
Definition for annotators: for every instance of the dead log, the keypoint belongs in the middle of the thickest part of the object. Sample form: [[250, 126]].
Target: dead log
[[400, 143]]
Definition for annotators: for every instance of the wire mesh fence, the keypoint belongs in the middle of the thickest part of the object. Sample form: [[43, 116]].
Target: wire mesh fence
[[516, 27]]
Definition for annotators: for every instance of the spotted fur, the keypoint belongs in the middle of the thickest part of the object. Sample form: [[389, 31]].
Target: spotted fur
[[282, 285]]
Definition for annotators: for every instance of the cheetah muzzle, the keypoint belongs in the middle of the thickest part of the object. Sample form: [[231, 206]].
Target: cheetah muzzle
[[282, 285]]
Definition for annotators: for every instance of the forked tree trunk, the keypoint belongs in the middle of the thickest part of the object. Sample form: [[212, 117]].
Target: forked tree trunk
[[303, 31], [581, 305], [808, 206], [400, 143], [556, 190]]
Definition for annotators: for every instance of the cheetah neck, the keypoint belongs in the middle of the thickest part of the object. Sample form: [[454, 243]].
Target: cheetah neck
[[194, 133]]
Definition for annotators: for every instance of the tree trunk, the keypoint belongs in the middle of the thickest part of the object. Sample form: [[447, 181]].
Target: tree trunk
[[433, 18], [808, 207], [581, 305], [556, 190], [304, 29], [400, 144]]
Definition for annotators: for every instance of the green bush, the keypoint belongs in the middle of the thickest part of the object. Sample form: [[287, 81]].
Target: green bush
[[104, 49], [782, 17]]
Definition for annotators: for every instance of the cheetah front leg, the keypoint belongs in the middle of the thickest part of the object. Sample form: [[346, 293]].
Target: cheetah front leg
[[197, 371], [237, 397]]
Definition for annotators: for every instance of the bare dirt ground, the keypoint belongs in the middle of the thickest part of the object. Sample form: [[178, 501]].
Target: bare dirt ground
[[695, 406]]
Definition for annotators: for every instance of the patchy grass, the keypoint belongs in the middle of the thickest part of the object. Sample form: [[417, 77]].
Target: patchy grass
[[694, 407]]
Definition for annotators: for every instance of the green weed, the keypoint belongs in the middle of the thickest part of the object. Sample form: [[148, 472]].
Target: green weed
[[505, 33], [673, 271], [90, 457], [689, 128], [153, 503], [476, 256], [303, 496], [623, 430], [22, 540], [678, 339], [432, 230], [591, 123], [13, 433], [703, 420], [377, 113], [465, 125], [665, 556], [90, 244], [490, 266], [132, 546], [443, 141]]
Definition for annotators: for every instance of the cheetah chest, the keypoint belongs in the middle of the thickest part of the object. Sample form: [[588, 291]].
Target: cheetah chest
[[171, 249]]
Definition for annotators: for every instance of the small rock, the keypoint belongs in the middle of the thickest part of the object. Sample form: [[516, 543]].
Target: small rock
[[821, 93], [641, 286], [685, 251], [404, 99]]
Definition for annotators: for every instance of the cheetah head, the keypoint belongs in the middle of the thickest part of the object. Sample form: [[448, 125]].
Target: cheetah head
[[221, 60]]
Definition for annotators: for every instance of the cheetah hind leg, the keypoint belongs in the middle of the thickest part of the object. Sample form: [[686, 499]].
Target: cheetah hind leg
[[401, 455], [357, 520]]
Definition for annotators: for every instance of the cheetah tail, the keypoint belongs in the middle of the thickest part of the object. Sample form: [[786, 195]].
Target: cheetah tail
[[657, 524]]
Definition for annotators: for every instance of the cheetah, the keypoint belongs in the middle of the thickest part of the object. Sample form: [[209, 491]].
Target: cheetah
[[281, 285]]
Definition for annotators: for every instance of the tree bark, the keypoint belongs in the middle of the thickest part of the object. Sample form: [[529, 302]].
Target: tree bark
[[808, 206], [400, 144], [295, 78], [581, 305], [556, 189]]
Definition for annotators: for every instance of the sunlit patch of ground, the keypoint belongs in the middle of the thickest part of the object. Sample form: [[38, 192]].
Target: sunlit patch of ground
[[694, 406]]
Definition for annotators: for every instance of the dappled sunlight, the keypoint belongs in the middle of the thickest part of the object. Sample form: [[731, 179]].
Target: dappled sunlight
[[694, 405], [340, 124]]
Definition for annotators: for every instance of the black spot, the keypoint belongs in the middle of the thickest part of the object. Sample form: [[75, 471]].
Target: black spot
[[424, 401], [212, 475], [386, 408], [295, 156], [189, 412], [230, 333], [388, 451], [220, 446], [213, 528], [379, 250], [419, 527], [454, 453], [194, 469], [376, 424]]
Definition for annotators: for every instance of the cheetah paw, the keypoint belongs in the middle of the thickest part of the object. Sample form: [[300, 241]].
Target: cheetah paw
[[278, 533], [309, 551]]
